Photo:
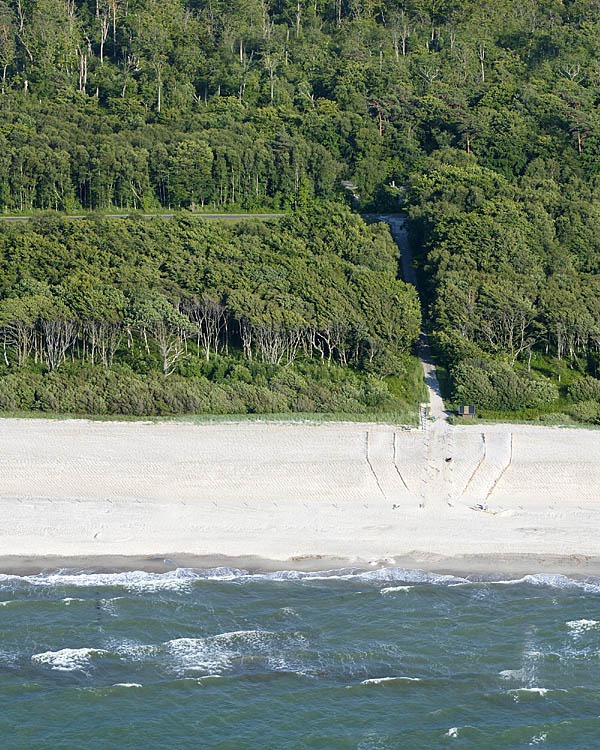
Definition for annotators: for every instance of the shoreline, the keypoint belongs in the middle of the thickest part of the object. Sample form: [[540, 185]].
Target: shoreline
[[313, 419], [474, 567]]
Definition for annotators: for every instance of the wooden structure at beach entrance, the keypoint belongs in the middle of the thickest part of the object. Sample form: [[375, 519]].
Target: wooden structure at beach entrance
[[466, 411]]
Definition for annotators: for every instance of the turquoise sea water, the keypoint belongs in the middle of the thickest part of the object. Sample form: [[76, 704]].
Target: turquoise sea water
[[369, 661]]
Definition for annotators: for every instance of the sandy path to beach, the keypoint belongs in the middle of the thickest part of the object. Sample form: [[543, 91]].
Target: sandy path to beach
[[358, 491], [397, 224]]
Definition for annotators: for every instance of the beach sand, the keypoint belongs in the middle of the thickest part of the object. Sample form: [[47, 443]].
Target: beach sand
[[124, 495]]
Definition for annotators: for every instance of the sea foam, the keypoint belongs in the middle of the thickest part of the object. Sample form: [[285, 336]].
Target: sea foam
[[538, 739], [215, 654], [379, 680], [68, 659], [128, 684], [579, 627], [513, 674], [588, 585], [395, 589], [137, 580], [184, 578]]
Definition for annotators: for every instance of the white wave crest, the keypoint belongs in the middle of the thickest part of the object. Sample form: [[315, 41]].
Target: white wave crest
[[538, 739], [213, 655], [183, 578], [276, 648], [453, 732], [408, 575], [380, 575], [136, 580], [554, 580], [579, 627], [379, 680], [197, 655], [538, 690], [128, 684], [518, 693], [394, 589], [68, 659], [512, 674]]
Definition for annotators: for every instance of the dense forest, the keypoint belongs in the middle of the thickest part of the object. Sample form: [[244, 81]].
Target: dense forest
[[511, 270], [479, 117], [189, 103], [138, 316]]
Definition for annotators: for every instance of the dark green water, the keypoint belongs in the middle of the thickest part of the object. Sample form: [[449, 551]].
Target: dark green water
[[219, 659]]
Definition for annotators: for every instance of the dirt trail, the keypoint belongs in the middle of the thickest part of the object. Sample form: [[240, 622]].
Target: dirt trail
[[436, 403]]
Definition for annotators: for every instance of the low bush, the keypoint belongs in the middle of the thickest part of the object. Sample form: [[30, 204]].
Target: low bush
[[228, 387], [494, 385], [558, 418], [585, 389], [586, 411]]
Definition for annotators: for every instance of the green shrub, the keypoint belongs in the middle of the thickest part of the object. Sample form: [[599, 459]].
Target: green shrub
[[18, 392], [586, 411], [8, 397], [453, 349], [259, 400], [494, 385], [473, 385], [539, 389], [585, 389], [288, 383], [559, 418], [128, 395], [251, 388], [88, 401]]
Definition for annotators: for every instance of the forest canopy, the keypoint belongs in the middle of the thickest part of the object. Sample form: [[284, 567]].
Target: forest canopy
[[153, 316], [191, 103], [511, 273]]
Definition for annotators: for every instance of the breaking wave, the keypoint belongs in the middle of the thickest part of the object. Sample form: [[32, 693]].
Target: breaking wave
[[68, 659], [379, 680], [208, 656], [395, 589], [392, 580], [579, 627], [180, 578], [588, 585], [128, 684]]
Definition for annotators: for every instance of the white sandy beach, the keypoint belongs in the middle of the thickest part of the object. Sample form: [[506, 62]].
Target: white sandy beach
[[360, 492]]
